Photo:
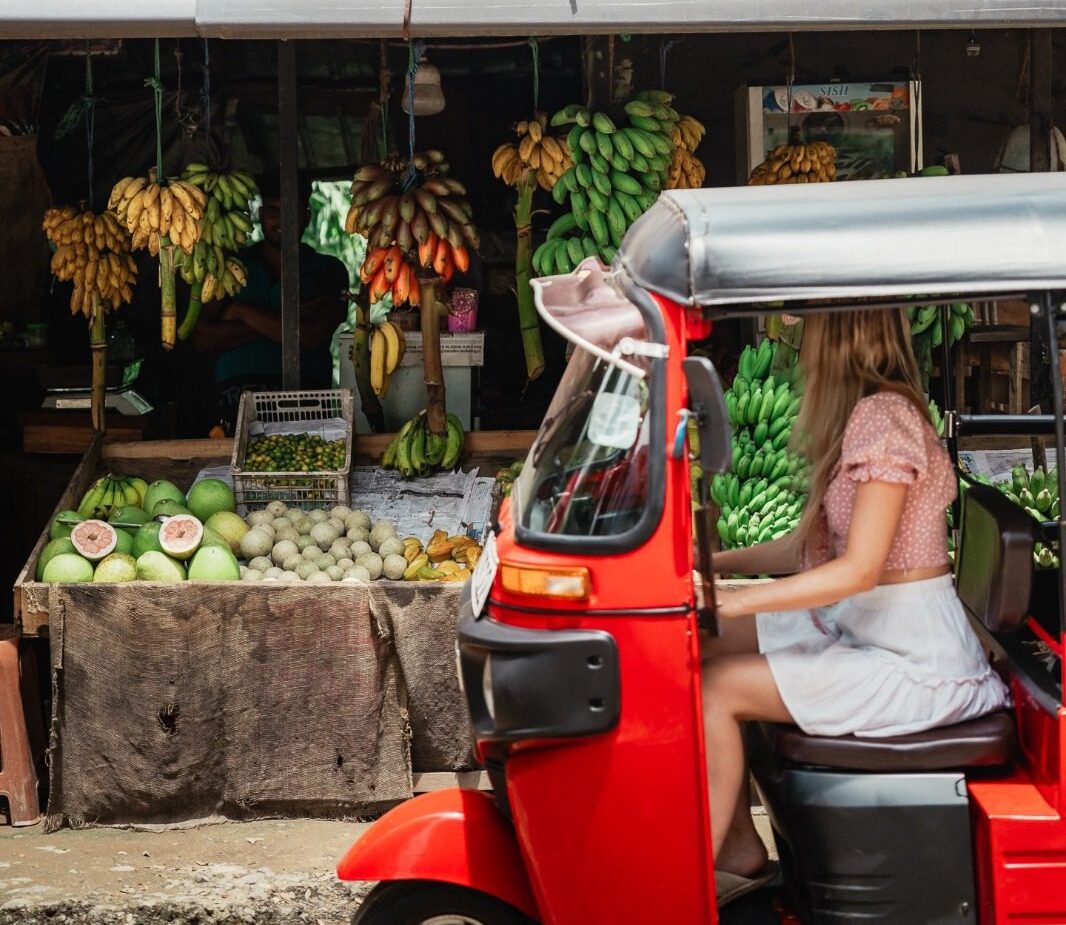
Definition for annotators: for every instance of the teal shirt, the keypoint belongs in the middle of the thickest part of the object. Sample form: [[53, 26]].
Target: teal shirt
[[320, 275]]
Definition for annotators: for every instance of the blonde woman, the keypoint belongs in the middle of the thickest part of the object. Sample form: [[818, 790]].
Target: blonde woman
[[866, 635]]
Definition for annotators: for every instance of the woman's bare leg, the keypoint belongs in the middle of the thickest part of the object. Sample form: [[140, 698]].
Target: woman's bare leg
[[736, 688]]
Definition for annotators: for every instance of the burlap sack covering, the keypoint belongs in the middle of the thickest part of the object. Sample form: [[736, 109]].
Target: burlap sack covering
[[423, 620], [176, 703]]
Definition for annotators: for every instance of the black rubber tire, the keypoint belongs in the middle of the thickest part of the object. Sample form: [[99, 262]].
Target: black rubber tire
[[417, 902]]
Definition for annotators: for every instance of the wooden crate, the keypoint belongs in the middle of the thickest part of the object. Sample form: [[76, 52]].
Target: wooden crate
[[181, 460]]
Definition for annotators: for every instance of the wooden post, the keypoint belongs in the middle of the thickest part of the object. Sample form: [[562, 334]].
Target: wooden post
[[432, 366], [98, 347], [291, 210], [168, 318]]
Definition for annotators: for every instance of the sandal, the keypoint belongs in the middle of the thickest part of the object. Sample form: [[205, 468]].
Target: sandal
[[729, 887]]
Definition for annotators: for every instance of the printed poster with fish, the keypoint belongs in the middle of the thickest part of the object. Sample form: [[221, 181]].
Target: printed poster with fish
[[874, 127]]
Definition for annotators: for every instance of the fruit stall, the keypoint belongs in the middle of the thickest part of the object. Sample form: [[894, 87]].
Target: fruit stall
[[265, 618]]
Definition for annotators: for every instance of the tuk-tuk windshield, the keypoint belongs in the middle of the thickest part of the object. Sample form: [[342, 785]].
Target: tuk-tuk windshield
[[586, 474]]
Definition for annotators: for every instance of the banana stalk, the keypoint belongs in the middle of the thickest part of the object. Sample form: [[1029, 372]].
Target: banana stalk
[[532, 345], [192, 314], [432, 365], [169, 302], [361, 361], [98, 346]]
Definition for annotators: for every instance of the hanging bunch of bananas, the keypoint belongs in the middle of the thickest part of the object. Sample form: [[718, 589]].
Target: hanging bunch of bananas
[[416, 450], [617, 174], [151, 210], [813, 163], [926, 326], [546, 155], [414, 209], [93, 251], [224, 228], [762, 497], [686, 170], [387, 347]]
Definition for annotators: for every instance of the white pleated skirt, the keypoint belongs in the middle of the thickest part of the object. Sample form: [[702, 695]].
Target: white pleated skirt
[[898, 659]]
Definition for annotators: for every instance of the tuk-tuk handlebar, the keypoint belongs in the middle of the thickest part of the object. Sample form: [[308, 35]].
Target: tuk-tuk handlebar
[[1000, 425]]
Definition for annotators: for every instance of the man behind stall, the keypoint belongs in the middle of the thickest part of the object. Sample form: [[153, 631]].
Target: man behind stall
[[245, 332]]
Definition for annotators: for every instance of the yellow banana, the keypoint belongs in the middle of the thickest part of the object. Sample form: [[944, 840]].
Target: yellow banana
[[377, 362]]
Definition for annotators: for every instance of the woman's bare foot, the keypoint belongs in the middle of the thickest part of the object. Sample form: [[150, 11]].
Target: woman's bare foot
[[744, 859]]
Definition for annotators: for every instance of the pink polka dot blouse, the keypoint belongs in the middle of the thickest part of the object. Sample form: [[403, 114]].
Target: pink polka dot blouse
[[888, 440]]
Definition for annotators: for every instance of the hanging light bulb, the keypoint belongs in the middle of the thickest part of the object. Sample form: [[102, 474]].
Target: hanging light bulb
[[428, 96]]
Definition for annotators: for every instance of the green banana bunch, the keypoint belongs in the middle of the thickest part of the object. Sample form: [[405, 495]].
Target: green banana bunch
[[416, 450], [217, 272], [107, 493], [763, 495], [1038, 493], [617, 174], [925, 323]]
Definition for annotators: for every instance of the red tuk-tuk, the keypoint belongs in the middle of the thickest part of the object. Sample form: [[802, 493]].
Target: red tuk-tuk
[[578, 644]]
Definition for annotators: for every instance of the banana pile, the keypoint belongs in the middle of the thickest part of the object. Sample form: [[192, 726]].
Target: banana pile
[[686, 170], [94, 251], [544, 154], [387, 347], [813, 163], [763, 496], [416, 210], [224, 229], [110, 492], [1039, 495], [444, 558], [925, 323], [617, 174], [416, 450], [151, 210]]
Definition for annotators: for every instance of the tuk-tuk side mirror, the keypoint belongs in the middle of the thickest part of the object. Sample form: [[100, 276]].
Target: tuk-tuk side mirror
[[706, 400]]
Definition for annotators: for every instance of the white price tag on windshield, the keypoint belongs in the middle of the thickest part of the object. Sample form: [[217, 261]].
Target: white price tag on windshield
[[614, 420], [484, 574]]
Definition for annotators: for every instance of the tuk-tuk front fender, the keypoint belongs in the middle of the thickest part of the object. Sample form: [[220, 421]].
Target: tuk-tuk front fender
[[453, 836]]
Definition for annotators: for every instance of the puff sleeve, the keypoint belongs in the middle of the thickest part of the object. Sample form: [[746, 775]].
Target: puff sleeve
[[884, 441]]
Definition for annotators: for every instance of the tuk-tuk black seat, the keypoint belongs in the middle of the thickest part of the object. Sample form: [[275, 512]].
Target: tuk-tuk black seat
[[977, 743]]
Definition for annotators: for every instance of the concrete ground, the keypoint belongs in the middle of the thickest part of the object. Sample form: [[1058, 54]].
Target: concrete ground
[[277, 872], [274, 872]]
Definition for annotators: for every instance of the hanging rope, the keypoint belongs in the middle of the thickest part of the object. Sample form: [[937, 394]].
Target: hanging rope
[[789, 82], [534, 47], [664, 49], [156, 83], [90, 117], [205, 92], [414, 54]]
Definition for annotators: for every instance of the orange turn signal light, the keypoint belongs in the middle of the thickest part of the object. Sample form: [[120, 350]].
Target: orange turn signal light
[[570, 583]]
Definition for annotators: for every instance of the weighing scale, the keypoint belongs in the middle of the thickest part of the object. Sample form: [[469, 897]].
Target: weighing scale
[[118, 396]]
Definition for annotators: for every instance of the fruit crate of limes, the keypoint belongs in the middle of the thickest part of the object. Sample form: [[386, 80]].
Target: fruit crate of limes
[[293, 446]]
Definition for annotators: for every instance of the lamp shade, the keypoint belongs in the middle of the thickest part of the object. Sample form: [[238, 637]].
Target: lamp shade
[[429, 98]]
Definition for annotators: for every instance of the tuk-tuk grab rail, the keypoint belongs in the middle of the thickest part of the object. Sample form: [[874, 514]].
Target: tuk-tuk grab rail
[[998, 425]]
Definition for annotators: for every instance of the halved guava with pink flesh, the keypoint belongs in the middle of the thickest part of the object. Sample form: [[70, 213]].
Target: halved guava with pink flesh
[[181, 536], [94, 539]]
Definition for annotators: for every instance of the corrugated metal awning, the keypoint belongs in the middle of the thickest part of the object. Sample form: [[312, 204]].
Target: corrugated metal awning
[[363, 18], [99, 19]]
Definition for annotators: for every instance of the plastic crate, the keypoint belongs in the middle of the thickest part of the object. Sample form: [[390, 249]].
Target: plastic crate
[[305, 410]]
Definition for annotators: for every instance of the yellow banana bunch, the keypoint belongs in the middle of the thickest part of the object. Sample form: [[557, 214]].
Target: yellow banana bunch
[[387, 347], [535, 150], [151, 210], [813, 163], [686, 171], [92, 250], [688, 133]]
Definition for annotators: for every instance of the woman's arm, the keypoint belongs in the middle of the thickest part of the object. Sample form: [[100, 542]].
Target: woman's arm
[[778, 557], [874, 522], [214, 332]]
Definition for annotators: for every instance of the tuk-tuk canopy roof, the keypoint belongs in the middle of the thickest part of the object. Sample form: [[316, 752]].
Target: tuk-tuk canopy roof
[[877, 239]]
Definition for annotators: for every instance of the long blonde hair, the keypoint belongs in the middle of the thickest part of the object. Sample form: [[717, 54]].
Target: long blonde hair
[[845, 357]]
